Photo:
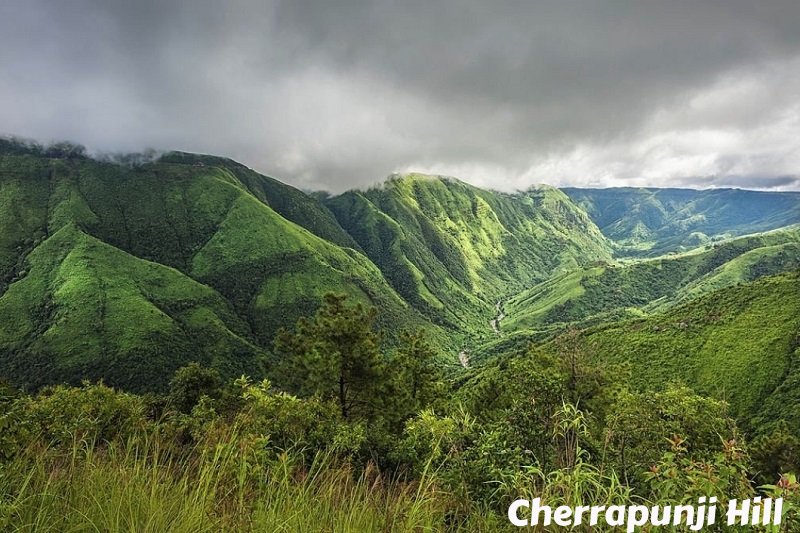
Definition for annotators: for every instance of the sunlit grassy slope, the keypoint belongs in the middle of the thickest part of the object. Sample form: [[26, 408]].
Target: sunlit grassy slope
[[453, 250], [739, 343], [631, 288], [655, 221], [85, 309]]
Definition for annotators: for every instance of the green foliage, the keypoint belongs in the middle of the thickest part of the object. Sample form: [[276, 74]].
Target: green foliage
[[481, 464], [273, 460], [281, 422], [419, 379], [143, 486], [679, 478], [787, 488], [61, 416], [190, 383], [576, 482], [337, 355], [642, 427], [775, 453]]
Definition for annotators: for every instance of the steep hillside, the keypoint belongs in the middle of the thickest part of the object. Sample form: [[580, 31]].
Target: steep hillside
[[83, 309], [631, 288], [162, 248], [292, 204], [656, 221], [453, 250], [739, 343]]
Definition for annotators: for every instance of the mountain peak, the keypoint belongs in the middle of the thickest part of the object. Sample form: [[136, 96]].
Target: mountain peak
[[415, 177]]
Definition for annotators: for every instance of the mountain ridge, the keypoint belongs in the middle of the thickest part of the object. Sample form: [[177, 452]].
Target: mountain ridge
[[213, 258], [652, 221]]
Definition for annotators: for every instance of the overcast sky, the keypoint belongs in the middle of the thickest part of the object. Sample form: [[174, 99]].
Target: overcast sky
[[339, 94]]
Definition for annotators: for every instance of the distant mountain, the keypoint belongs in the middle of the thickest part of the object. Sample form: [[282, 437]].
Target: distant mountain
[[453, 250], [649, 222]]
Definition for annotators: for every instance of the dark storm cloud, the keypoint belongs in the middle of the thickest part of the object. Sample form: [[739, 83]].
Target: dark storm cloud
[[340, 94]]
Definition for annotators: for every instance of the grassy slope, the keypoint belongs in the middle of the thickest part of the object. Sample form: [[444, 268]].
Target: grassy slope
[[655, 221], [453, 250], [221, 244], [292, 204], [739, 343], [85, 309], [656, 284]]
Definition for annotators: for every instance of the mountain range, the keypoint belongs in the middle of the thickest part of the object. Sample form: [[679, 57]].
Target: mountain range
[[126, 270]]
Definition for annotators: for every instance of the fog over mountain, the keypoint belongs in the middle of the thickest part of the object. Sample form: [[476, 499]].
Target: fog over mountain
[[337, 95]]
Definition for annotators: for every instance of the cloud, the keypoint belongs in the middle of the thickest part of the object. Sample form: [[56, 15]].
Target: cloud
[[336, 95], [744, 182]]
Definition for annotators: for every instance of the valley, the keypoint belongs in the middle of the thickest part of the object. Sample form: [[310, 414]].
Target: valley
[[199, 258]]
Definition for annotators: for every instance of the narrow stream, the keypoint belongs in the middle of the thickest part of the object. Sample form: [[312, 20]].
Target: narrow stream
[[495, 322]]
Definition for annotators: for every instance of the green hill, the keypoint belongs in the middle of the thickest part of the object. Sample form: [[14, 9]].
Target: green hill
[[86, 310], [292, 204], [656, 221], [78, 232], [453, 250], [740, 344], [632, 288]]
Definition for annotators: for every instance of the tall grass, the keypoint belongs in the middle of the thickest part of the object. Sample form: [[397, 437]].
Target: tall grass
[[143, 485]]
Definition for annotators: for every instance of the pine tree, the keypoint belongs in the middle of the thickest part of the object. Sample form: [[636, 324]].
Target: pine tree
[[418, 374], [336, 355]]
